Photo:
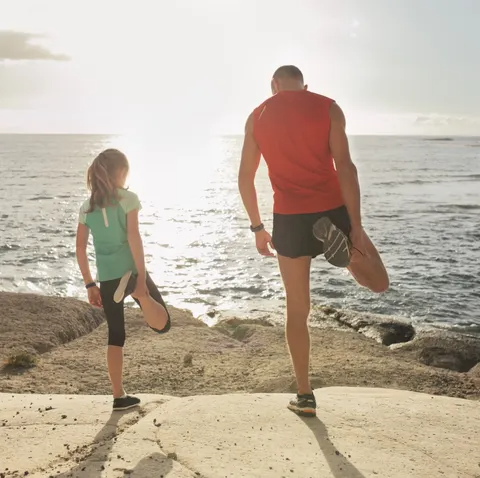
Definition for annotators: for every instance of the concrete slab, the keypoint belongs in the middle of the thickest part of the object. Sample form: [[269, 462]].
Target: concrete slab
[[358, 433], [72, 435]]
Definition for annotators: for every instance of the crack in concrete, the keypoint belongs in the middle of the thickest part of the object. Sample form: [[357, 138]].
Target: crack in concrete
[[173, 456]]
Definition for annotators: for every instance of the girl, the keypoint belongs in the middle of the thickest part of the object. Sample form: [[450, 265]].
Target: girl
[[111, 215]]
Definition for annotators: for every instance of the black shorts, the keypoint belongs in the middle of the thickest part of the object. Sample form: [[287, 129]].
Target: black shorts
[[293, 233]]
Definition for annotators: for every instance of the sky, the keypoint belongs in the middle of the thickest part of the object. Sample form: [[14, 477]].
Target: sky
[[197, 67]]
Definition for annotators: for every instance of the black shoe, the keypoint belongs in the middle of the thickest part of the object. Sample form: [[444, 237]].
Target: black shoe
[[126, 286], [336, 244], [304, 405], [126, 402]]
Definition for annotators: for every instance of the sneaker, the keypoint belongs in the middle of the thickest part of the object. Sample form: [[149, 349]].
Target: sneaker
[[336, 244], [125, 402], [125, 287], [304, 405]]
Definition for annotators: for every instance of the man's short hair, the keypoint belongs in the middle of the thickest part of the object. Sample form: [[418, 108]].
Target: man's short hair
[[288, 72]]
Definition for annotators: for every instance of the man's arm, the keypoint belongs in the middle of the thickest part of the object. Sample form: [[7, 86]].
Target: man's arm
[[347, 171], [246, 175]]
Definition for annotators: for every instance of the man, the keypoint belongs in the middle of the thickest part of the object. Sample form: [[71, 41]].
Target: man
[[302, 137]]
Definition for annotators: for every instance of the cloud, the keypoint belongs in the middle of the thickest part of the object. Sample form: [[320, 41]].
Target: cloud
[[469, 122], [18, 46]]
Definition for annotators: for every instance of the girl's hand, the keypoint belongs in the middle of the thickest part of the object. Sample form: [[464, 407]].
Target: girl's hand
[[94, 296], [141, 290]]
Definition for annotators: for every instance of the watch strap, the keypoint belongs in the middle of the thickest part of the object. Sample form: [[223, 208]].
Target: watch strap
[[258, 228]]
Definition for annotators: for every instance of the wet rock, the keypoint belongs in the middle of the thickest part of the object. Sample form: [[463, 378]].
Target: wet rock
[[444, 349], [383, 329]]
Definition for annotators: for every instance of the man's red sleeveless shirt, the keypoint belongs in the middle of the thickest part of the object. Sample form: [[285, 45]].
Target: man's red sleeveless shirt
[[292, 130]]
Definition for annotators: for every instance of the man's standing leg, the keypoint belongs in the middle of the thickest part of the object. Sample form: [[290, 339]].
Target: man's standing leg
[[296, 279]]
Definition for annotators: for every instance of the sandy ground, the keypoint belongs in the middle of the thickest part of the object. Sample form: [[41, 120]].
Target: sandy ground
[[195, 359]]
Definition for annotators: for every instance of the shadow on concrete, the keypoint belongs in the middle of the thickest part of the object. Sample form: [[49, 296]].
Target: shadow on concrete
[[338, 463], [154, 466], [93, 465]]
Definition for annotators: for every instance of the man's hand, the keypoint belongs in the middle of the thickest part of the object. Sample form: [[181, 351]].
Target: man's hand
[[94, 296], [357, 238], [263, 241]]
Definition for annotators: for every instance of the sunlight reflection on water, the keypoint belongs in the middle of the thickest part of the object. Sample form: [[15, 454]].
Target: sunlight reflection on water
[[420, 201]]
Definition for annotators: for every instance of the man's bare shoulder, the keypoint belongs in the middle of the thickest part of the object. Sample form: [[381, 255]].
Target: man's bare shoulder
[[336, 113]]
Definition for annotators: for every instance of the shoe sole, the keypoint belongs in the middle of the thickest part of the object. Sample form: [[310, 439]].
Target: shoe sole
[[336, 244], [303, 412], [120, 292], [116, 409]]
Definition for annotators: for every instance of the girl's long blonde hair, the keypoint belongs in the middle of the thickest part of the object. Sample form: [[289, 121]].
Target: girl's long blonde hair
[[102, 177]]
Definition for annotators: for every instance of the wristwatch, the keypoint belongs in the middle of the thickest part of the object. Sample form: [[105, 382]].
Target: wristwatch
[[258, 228]]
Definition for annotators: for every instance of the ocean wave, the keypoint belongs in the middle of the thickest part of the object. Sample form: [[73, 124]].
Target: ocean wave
[[468, 177], [458, 207], [413, 181], [41, 198], [9, 247]]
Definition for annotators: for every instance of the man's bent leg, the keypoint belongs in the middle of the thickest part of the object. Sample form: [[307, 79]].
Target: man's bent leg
[[296, 279], [369, 270]]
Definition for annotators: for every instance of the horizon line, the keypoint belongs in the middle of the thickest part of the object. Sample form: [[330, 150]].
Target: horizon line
[[411, 135]]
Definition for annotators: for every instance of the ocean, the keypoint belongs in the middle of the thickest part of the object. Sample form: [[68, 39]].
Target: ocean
[[421, 207]]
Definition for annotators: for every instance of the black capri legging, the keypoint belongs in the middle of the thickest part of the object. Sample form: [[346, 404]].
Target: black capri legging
[[114, 312]]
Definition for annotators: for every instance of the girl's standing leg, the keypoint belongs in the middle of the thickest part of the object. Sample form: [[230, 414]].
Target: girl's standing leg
[[154, 309], [116, 335], [114, 314]]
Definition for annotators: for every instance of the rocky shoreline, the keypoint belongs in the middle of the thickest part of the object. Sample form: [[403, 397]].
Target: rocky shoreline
[[66, 339], [435, 347]]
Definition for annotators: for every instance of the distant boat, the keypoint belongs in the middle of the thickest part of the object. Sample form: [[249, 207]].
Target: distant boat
[[438, 139]]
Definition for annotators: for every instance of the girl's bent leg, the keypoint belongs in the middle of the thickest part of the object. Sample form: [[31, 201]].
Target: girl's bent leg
[[154, 308], [114, 314]]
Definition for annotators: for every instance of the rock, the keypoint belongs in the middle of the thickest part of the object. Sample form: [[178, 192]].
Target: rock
[[20, 315], [475, 372], [383, 329], [285, 384], [188, 360], [444, 349], [241, 329], [389, 333], [234, 322]]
